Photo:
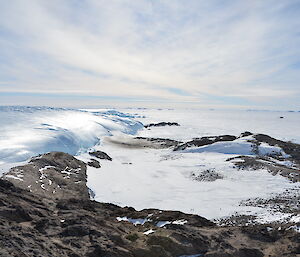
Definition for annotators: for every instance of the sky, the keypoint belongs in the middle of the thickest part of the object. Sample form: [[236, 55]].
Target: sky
[[241, 54]]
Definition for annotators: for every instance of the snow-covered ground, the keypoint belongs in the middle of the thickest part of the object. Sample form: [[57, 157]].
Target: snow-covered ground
[[162, 178], [148, 177]]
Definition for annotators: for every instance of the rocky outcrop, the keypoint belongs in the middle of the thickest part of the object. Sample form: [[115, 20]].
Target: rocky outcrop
[[268, 163], [207, 175], [36, 222], [246, 134], [161, 124], [80, 227], [101, 155], [288, 147], [158, 143], [204, 141], [287, 166], [53, 175], [94, 163]]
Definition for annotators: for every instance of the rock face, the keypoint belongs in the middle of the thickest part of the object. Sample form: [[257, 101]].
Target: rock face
[[101, 155], [36, 222], [52, 175], [94, 163]]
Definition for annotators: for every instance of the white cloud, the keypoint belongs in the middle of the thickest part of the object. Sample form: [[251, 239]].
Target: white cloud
[[140, 48]]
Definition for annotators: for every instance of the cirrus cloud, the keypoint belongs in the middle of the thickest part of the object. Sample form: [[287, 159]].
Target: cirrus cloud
[[175, 51]]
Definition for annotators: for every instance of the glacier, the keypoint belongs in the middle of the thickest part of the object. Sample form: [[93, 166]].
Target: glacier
[[29, 131]]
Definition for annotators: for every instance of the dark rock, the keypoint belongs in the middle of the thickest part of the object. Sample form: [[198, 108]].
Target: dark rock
[[154, 250], [246, 134], [222, 254], [6, 186], [153, 142], [52, 175], [96, 252], [132, 237], [225, 138], [91, 193], [243, 252], [261, 233], [94, 163], [101, 155], [17, 214], [207, 175], [197, 142], [247, 252], [69, 204], [166, 243], [76, 230], [41, 225], [158, 215], [161, 124]]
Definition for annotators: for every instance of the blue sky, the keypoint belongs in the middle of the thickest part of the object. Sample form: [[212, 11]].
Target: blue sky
[[194, 53]]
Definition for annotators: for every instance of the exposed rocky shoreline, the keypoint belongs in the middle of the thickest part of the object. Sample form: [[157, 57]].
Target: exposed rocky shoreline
[[45, 210]]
